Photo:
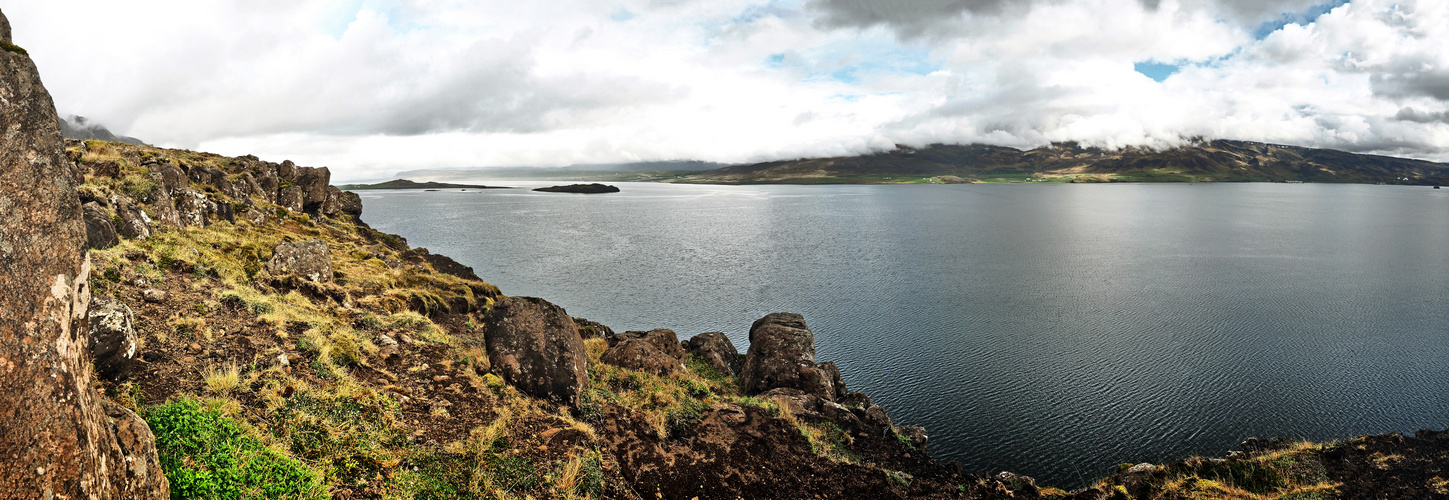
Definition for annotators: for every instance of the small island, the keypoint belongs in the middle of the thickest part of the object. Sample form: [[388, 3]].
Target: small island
[[580, 188], [407, 184]]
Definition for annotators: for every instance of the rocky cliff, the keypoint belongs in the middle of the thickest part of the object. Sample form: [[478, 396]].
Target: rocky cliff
[[59, 438]]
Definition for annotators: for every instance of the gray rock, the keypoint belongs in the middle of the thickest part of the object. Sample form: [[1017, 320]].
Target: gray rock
[[663, 339], [192, 208], [291, 197], [593, 329], [113, 338], [716, 350], [313, 182], [645, 352], [308, 259], [153, 296], [170, 177], [135, 224], [100, 233], [349, 203], [535, 346], [269, 184], [782, 354], [287, 172]]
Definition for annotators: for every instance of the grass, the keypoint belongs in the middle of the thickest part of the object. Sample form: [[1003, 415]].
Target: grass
[[207, 453], [14, 48], [1294, 473], [222, 380]]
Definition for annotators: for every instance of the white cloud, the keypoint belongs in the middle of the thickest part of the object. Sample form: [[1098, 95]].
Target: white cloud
[[373, 86]]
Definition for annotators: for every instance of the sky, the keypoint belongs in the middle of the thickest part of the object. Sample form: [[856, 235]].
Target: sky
[[371, 87]]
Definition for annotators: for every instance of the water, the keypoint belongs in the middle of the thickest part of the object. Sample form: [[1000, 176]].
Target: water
[[1050, 330]]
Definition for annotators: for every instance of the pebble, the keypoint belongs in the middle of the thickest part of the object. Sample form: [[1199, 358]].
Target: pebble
[[188, 360], [440, 378], [153, 296], [195, 347], [283, 361]]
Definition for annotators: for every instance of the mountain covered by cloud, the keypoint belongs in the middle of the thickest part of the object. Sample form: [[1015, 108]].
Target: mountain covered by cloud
[[373, 86]]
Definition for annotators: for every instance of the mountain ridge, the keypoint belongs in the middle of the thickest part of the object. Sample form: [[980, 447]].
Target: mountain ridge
[[1200, 161]]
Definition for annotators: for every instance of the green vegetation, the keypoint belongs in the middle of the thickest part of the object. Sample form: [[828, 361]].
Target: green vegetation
[[14, 48], [207, 453]]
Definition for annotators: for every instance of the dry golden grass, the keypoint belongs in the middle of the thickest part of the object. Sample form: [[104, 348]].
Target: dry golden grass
[[222, 379]]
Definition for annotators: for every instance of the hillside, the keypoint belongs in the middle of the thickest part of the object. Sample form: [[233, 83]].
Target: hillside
[[1214, 161]]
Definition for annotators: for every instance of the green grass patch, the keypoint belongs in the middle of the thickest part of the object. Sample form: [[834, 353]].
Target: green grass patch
[[208, 454]]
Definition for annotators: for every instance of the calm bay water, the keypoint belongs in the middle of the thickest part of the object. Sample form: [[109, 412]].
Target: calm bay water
[[1050, 330]]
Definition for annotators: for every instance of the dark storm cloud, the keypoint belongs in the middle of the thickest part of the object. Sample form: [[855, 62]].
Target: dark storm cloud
[[1421, 81], [1416, 116], [916, 18]]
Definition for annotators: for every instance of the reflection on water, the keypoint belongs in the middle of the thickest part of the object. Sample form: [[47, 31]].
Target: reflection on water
[[1051, 330]]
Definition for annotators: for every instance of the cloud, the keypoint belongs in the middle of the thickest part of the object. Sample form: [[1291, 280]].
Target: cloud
[[372, 86]]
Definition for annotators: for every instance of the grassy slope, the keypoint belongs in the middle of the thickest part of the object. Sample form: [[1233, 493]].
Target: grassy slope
[[344, 419]]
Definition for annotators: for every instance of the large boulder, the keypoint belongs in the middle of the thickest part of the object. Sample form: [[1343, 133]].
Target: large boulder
[[716, 351], [286, 172], [169, 176], [655, 351], [192, 208], [593, 329], [113, 337], [291, 197], [349, 203], [100, 233], [135, 223], [309, 259], [535, 346], [269, 184], [313, 182], [59, 438], [782, 355]]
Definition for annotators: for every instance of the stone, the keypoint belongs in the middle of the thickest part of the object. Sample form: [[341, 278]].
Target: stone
[[349, 203], [916, 435], [309, 259], [840, 415], [639, 354], [535, 346], [164, 211], [593, 329], [662, 339], [193, 208], [291, 198], [104, 168], [782, 354], [287, 172], [268, 183], [795, 401], [282, 360], [224, 210], [875, 416], [331, 205], [135, 224], [716, 350], [153, 296], [113, 338], [170, 177], [59, 438], [100, 233], [313, 182]]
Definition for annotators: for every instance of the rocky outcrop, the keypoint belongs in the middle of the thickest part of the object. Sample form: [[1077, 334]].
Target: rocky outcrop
[[269, 184], [535, 346], [349, 203], [655, 351], [58, 437], [291, 198], [313, 182], [782, 354], [716, 350], [593, 329], [308, 259], [134, 222], [113, 337], [100, 233], [192, 208]]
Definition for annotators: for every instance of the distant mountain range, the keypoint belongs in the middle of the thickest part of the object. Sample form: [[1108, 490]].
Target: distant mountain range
[[645, 171], [80, 129], [1202, 161]]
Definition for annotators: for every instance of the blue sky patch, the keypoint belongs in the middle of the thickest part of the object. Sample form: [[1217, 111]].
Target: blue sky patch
[[1155, 70], [1304, 17]]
